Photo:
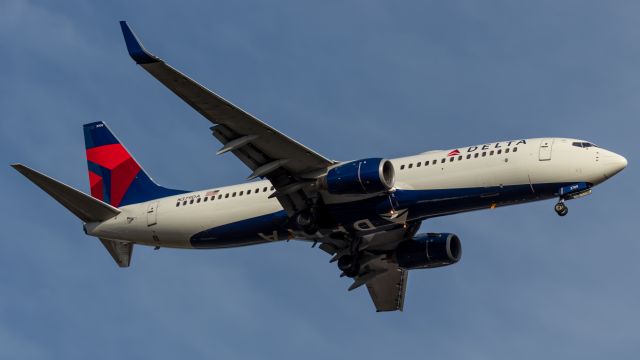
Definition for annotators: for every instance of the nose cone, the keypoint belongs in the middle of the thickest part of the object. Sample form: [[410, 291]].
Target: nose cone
[[613, 164]]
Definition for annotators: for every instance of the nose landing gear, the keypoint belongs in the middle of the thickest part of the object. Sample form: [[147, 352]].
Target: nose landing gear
[[560, 208]]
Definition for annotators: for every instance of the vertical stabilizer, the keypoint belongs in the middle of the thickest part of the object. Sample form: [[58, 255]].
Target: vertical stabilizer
[[115, 176]]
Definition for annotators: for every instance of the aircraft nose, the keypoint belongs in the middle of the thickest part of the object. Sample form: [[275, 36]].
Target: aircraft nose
[[614, 163]]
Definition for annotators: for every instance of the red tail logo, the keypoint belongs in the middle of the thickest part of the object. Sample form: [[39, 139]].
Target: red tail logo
[[454, 152]]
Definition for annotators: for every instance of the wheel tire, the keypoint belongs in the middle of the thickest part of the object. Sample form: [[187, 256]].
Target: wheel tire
[[304, 219], [561, 209], [349, 265], [311, 229]]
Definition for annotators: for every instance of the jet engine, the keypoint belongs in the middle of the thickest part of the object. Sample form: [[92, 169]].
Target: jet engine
[[428, 251], [359, 177]]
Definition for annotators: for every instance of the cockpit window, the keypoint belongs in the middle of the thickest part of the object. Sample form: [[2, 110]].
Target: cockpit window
[[583, 144]]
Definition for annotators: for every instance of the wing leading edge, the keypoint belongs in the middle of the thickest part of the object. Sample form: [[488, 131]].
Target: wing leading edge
[[266, 151]]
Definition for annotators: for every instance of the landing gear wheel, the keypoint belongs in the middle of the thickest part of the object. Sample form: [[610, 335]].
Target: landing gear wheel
[[561, 209], [307, 221], [349, 265]]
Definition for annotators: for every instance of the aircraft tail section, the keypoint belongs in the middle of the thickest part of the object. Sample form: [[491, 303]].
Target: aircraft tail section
[[80, 204], [115, 176]]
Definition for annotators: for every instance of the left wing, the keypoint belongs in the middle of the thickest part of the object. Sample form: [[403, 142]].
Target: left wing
[[266, 151], [387, 290]]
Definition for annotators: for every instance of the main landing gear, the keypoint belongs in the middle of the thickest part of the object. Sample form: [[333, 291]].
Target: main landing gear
[[560, 208]]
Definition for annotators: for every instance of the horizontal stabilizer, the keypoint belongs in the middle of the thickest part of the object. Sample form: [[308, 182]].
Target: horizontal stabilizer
[[120, 251], [80, 204]]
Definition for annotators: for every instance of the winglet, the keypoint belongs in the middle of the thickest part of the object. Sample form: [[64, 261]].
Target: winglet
[[135, 48]]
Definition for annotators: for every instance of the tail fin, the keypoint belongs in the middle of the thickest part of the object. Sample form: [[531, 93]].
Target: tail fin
[[114, 175]]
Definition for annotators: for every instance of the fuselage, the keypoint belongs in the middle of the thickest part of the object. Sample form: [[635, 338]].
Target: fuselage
[[429, 184]]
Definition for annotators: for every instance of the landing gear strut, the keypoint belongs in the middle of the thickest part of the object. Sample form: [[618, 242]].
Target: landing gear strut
[[560, 208]]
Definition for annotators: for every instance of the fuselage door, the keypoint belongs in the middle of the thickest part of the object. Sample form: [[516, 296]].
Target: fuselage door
[[152, 213], [545, 149]]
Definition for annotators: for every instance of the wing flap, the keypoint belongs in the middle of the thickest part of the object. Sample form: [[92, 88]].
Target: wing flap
[[387, 289]]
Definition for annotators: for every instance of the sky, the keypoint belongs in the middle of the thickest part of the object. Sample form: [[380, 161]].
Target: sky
[[350, 79]]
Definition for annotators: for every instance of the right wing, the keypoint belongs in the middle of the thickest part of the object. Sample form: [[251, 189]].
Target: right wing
[[266, 151], [387, 290], [385, 280]]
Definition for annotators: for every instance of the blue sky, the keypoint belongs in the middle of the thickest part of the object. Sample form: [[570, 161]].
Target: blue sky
[[350, 79]]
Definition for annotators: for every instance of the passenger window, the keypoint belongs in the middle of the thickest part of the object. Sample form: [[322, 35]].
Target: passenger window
[[506, 151], [410, 166], [264, 189], [226, 195], [257, 190], [451, 159], [491, 153], [249, 192], [459, 157], [205, 199], [234, 194], [177, 204], [515, 149], [241, 192], [499, 151], [198, 201], [418, 164], [272, 188], [443, 160], [426, 163], [184, 203], [401, 167], [484, 153], [213, 197], [468, 156], [219, 196], [434, 162], [190, 201], [476, 155]]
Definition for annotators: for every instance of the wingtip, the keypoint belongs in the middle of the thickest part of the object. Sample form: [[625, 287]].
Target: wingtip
[[16, 166], [134, 47]]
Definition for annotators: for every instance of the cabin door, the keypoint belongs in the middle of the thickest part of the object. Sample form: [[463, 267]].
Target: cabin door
[[152, 213], [545, 149]]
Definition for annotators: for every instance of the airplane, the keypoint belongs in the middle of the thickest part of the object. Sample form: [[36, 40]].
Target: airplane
[[364, 213]]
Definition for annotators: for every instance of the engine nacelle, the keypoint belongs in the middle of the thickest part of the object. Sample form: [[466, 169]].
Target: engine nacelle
[[366, 176], [428, 251]]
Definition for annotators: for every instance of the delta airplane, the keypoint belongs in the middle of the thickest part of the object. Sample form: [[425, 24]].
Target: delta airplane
[[364, 213]]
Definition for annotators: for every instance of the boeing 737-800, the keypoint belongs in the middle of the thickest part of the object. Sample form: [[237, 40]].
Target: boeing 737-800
[[364, 213]]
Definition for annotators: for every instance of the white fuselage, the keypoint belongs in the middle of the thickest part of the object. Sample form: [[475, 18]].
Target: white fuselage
[[530, 168]]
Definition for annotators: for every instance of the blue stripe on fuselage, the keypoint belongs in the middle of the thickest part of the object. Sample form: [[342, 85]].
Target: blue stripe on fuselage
[[422, 204]]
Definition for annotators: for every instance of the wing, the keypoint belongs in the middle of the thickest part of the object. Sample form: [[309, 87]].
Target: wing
[[387, 290], [385, 280], [266, 151]]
